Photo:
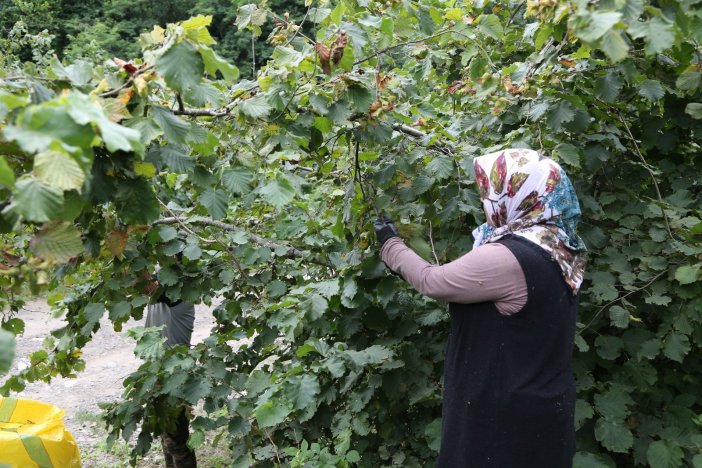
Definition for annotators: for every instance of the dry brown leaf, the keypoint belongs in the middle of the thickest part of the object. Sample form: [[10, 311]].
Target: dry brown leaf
[[127, 66], [116, 241], [382, 81], [324, 55], [455, 86], [11, 259], [338, 47]]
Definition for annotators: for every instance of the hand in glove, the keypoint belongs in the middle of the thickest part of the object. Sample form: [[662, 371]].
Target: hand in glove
[[385, 230]]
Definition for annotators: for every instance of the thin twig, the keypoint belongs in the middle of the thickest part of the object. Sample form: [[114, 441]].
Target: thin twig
[[253, 55], [395, 46], [299, 28], [283, 20], [275, 447], [604, 307], [126, 84], [431, 241], [512, 16], [216, 112], [290, 250], [650, 171], [185, 227]]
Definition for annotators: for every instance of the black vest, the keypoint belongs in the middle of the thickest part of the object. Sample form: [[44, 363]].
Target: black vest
[[509, 391]]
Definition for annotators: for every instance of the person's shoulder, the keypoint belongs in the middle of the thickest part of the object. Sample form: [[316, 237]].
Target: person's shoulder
[[493, 254]]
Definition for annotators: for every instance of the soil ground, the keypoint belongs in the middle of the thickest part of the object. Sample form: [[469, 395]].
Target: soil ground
[[109, 359]]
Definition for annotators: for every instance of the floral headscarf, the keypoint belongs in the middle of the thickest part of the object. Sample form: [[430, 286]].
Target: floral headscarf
[[532, 197]]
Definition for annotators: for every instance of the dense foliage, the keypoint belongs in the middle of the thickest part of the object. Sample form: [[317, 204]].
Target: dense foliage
[[269, 189], [59, 26]]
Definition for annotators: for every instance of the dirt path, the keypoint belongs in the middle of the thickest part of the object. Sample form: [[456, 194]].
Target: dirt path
[[109, 359]]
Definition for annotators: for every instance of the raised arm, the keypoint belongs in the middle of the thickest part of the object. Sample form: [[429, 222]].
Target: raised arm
[[489, 273]]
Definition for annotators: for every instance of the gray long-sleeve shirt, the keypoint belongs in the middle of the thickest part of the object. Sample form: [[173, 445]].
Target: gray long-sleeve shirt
[[489, 273]]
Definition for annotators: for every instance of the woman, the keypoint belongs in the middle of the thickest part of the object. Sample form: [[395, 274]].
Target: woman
[[509, 392]]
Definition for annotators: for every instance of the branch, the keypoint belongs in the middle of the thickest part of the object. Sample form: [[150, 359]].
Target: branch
[[387, 49], [650, 172], [431, 240], [216, 112], [620, 299], [126, 84], [290, 250], [413, 132]]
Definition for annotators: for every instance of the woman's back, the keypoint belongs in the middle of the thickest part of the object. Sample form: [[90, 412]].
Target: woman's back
[[509, 392]]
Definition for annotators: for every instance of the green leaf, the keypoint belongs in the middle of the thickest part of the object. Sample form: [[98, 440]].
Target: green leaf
[[619, 316], [192, 252], [613, 404], [167, 233], [39, 126], [196, 439], [196, 388], [689, 81], [250, 15], [7, 350], [327, 288], [176, 159], [375, 354], [567, 153], [237, 179], [361, 99], [278, 192], [440, 167], [150, 342], [651, 90], [181, 66], [7, 176], [144, 169], [175, 129], [588, 460], [136, 201], [687, 274], [216, 202], [304, 391], [607, 87], [120, 311], [214, 63], [664, 454], [595, 24], [694, 109], [272, 413], [676, 346], [315, 306], [257, 107], [660, 35], [58, 242], [421, 184], [561, 113], [79, 72], [58, 170], [432, 433], [490, 26], [614, 46], [167, 277], [614, 436], [583, 412], [36, 201], [195, 29], [608, 347], [83, 110]]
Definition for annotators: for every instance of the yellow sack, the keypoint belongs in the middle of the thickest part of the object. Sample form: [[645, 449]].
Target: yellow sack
[[32, 435]]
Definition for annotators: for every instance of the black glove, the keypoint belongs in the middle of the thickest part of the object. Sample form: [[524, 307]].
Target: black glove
[[385, 230]]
